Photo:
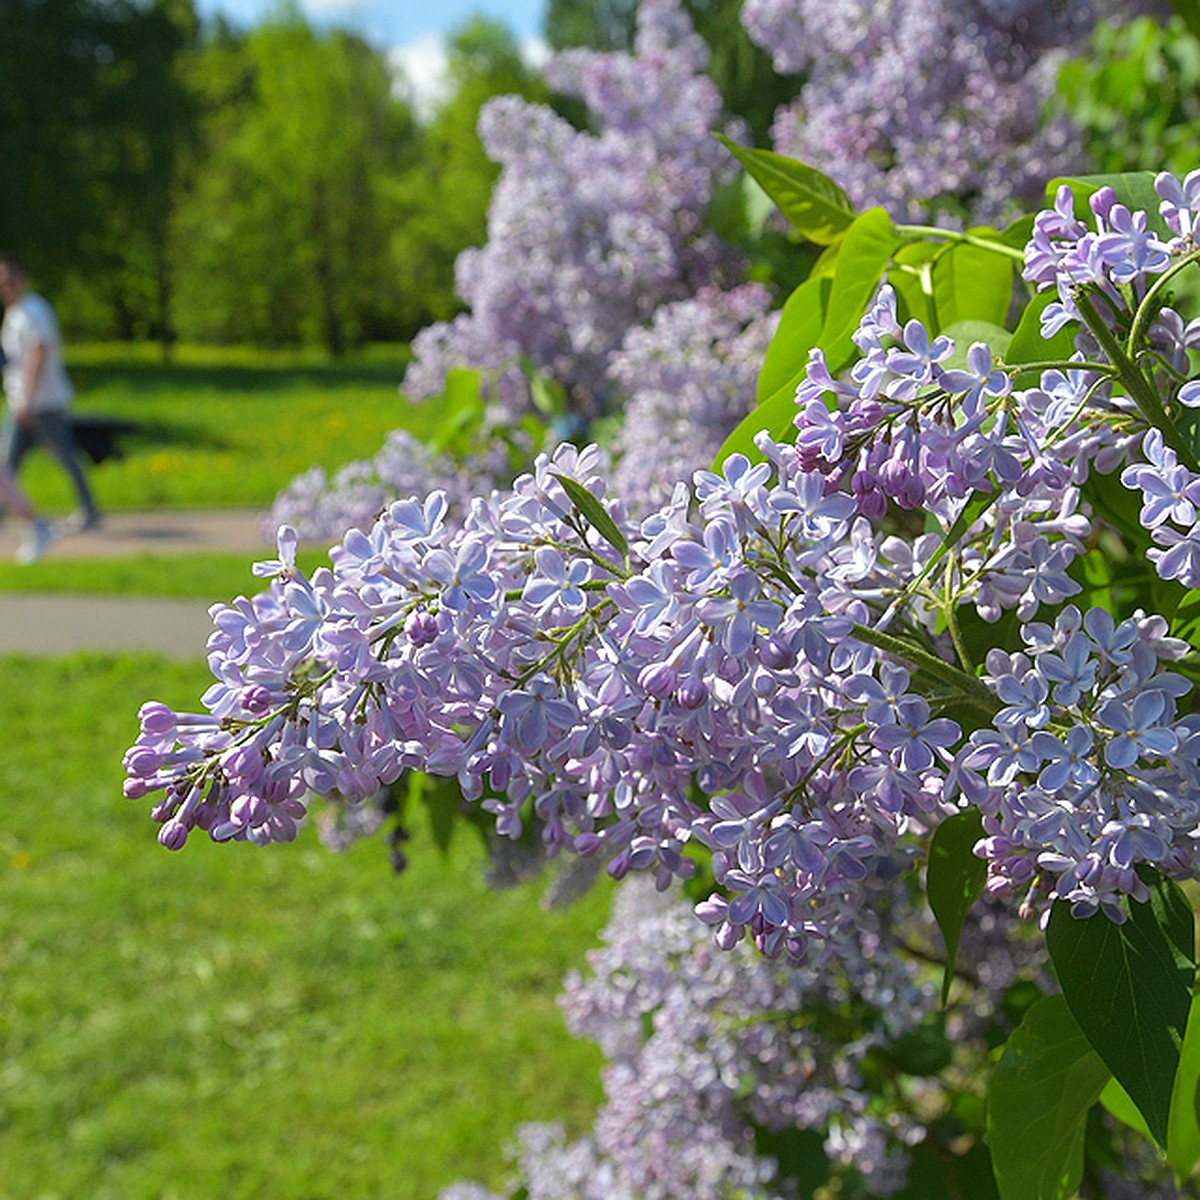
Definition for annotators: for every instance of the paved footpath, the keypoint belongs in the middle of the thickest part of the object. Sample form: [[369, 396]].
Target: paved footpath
[[44, 623]]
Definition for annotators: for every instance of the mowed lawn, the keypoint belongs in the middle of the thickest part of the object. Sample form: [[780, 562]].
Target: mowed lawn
[[235, 1022], [223, 428]]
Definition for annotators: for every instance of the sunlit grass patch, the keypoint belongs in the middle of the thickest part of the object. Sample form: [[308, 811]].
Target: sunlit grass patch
[[236, 1022]]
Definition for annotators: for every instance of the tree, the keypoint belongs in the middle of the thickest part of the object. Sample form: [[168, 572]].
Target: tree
[[285, 235], [442, 198], [93, 117]]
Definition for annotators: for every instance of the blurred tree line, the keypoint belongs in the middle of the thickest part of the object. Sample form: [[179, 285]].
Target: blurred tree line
[[168, 178]]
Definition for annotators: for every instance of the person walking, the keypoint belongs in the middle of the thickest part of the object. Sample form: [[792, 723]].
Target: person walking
[[38, 388]]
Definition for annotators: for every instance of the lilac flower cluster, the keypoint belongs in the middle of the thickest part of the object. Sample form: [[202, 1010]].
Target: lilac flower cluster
[[589, 231], [921, 101], [762, 667], [1121, 262], [704, 1047], [688, 379], [321, 509], [1088, 769]]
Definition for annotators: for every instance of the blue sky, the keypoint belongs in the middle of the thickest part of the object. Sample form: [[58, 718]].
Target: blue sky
[[390, 23]]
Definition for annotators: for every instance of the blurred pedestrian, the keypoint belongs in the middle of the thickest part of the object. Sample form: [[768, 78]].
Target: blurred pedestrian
[[37, 388]]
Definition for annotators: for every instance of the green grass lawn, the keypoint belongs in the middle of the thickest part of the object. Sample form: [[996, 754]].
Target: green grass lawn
[[233, 1022], [209, 575], [223, 428]]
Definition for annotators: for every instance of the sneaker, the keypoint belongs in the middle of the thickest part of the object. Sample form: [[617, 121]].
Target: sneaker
[[36, 543], [80, 522]]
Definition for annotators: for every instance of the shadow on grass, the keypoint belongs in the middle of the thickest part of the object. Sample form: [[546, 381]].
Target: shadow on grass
[[159, 377]]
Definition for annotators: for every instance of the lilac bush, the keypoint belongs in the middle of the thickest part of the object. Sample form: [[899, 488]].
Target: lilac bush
[[929, 102], [589, 231]]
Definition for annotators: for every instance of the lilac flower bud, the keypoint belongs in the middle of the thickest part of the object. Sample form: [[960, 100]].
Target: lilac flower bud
[[776, 654], [141, 761], [692, 693], [1102, 201], [173, 835], [256, 700], [657, 680], [156, 717], [872, 502], [421, 627]]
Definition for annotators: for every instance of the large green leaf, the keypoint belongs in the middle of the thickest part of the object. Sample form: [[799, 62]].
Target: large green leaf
[[1129, 987], [1018, 233], [911, 275], [774, 415], [1183, 1127], [864, 257], [972, 284], [800, 325], [1116, 1099], [815, 205], [1041, 1089], [967, 333], [1028, 345], [955, 877]]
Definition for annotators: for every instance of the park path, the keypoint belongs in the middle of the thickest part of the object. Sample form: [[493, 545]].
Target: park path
[[59, 623]]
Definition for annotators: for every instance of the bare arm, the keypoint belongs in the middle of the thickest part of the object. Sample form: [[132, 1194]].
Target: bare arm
[[35, 360]]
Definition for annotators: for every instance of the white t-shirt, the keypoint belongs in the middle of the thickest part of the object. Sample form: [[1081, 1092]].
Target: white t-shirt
[[28, 322]]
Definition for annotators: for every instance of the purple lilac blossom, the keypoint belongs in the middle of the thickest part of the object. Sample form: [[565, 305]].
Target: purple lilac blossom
[[704, 1048], [688, 378], [589, 231]]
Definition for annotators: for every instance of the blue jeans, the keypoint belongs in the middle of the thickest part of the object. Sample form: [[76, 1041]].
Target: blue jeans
[[52, 431]]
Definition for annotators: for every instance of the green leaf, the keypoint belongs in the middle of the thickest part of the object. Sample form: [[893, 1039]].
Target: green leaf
[[1028, 345], [1135, 190], [1129, 987], [1116, 1099], [1189, 13], [462, 402], [1041, 1089], [1185, 623], [911, 275], [800, 325], [954, 878], [866, 252], [971, 283], [966, 333], [1018, 233], [815, 205], [774, 415], [1183, 1127], [924, 1049], [594, 513], [548, 395], [799, 1154], [937, 1172]]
